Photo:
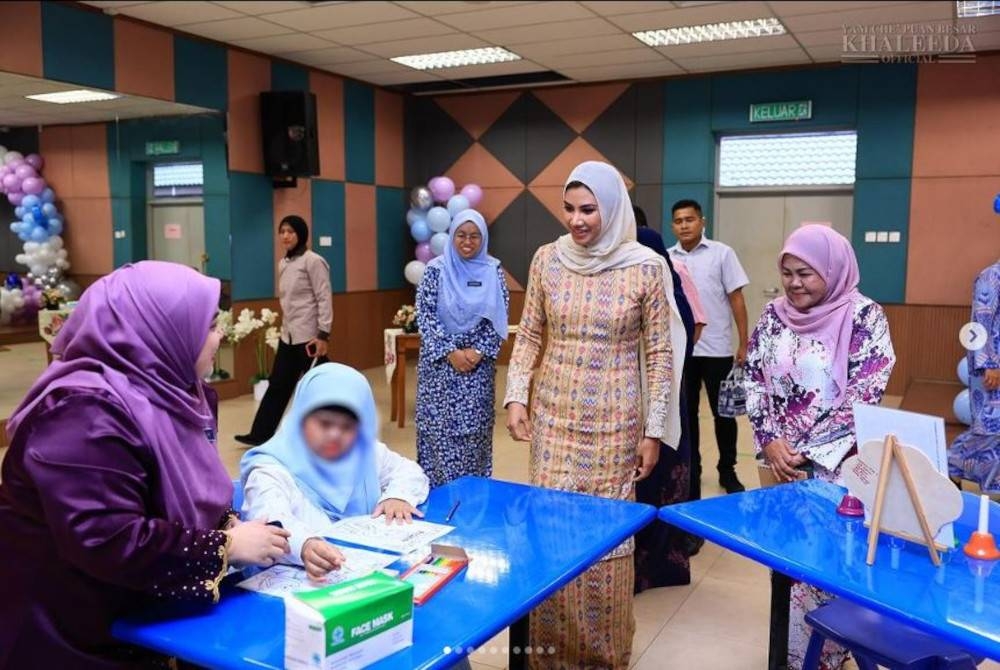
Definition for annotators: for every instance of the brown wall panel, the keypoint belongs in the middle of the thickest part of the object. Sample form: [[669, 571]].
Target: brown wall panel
[[925, 338]]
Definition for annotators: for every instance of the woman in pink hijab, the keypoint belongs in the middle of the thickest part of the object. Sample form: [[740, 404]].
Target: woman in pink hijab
[[815, 353]]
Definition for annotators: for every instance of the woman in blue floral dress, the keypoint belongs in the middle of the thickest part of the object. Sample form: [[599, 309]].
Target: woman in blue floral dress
[[975, 455], [462, 304], [815, 353]]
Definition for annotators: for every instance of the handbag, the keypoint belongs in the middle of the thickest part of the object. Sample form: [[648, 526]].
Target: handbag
[[733, 394]]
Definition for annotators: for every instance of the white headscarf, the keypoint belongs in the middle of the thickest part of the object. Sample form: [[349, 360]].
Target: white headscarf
[[616, 248]]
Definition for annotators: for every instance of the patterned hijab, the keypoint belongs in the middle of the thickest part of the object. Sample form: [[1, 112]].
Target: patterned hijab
[[470, 289], [831, 321], [347, 486]]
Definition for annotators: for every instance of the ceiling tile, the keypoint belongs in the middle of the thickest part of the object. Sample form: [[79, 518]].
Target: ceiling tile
[[360, 69], [423, 45], [826, 53], [542, 32], [628, 71], [327, 17], [176, 13], [744, 61], [396, 78], [282, 44], [565, 47], [623, 56], [492, 70], [438, 8], [821, 37], [769, 43], [385, 31], [693, 16], [612, 8], [918, 12], [521, 15], [228, 30], [259, 7], [328, 56], [783, 9]]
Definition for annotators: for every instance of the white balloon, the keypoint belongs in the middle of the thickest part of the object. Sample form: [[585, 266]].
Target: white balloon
[[21, 259], [3, 150], [414, 272], [30, 247], [12, 156]]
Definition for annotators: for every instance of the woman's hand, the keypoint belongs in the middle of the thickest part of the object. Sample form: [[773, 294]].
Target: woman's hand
[[256, 543], [473, 357], [395, 509], [459, 361], [648, 454], [783, 460], [316, 348], [319, 558], [518, 423], [991, 380]]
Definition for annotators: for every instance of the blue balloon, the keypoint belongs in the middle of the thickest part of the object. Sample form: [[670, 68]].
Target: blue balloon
[[15, 226], [28, 219], [438, 219], [48, 209], [55, 226], [19, 211], [36, 213], [39, 235], [996, 204], [413, 215], [13, 281], [48, 195], [963, 371], [30, 201], [457, 203], [963, 407], [420, 231]]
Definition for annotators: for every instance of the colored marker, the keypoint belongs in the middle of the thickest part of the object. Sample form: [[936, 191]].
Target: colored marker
[[453, 510]]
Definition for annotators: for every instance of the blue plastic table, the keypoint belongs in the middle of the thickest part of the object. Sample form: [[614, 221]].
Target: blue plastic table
[[525, 543], [795, 530]]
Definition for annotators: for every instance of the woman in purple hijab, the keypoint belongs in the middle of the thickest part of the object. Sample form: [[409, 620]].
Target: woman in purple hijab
[[112, 490]]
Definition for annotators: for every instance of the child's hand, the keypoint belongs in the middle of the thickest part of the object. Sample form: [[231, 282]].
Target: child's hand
[[319, 557], [397, 510]]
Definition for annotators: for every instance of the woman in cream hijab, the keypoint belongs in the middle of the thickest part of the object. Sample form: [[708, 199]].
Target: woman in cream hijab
[[605, 396]]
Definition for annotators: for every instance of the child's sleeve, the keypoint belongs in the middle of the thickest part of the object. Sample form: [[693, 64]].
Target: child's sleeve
[[268, 495], [399, 477]]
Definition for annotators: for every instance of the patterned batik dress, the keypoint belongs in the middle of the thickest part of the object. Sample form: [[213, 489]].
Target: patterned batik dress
[[794, 401], [587, 419], [975, 455], [455, 411]]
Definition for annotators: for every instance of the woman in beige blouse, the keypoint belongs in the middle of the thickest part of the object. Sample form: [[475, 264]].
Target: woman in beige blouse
[[604, 397], [306, 316]]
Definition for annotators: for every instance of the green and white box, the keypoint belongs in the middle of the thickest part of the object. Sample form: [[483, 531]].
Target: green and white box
[[349, 625]]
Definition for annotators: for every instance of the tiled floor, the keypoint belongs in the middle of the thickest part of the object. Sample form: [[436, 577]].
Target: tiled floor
[[718, 622]]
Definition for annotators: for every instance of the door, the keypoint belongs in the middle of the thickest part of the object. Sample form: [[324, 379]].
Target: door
[[177, 233], [756, 225]]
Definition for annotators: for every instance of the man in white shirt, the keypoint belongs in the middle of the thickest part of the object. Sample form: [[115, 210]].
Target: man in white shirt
[[720, 279]]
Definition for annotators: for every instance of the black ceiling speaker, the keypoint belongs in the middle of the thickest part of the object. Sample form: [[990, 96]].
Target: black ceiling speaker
[[288, 131]]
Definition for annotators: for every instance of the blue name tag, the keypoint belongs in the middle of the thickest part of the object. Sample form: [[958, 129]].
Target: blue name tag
[[474, 283], [210, 435]]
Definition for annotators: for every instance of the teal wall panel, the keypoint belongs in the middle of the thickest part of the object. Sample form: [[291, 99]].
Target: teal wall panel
[[886, 113], [882, 204], [394, 243], [252, 217], [201, 73], [328, 218], [78, 46], [688, 144], [359, 132], [288, 77]]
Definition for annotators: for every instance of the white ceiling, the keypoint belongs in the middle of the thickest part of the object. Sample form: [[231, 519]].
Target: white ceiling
[[16, 110], [585, 41]]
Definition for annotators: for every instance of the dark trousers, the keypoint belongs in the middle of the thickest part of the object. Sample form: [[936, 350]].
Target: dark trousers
[[290, 363], [711, 372]]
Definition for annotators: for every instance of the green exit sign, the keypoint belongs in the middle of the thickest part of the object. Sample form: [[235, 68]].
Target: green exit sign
[[796, 110], [163, 148]]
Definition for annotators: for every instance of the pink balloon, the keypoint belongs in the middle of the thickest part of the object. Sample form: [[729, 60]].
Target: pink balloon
[[35, 161], [441, 188], [15, 198], [24, 171], [33, 185], [12, 183], [423, 252], [473, 194]]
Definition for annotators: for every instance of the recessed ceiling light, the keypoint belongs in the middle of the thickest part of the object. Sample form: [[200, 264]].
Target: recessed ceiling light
[[712, 32], [968, 9], [445, 59], [70, 97]]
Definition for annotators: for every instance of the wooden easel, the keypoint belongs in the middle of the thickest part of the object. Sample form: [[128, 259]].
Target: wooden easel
[[892, 452]]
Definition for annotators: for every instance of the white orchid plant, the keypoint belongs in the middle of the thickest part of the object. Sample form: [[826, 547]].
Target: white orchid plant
[[248, 323]]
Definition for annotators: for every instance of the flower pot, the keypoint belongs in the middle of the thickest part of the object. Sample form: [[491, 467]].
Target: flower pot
[[259, 389]]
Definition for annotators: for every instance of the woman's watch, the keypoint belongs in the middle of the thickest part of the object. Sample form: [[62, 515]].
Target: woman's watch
[[477, 352]]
